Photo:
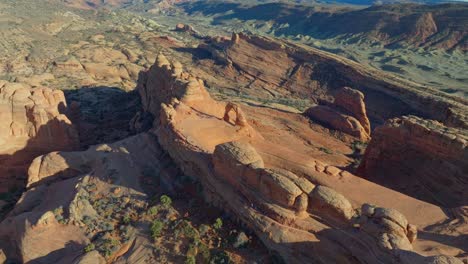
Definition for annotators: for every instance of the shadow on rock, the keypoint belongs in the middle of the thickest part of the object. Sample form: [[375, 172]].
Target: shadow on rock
[[102, 113]]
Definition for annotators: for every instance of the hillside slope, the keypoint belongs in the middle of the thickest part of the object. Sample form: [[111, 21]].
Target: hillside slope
[[442, 26]]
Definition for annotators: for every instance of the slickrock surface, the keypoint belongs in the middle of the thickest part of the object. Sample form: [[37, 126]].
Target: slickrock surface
[[299, 206], [68, 202], [347, 114], [32, 123], [422, 158]]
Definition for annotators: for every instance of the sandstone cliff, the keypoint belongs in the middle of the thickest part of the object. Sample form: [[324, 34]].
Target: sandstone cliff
[[422, 158], [32, 123]]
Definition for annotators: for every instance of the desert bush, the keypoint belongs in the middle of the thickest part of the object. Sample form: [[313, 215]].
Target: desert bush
[[203, 229], [107, 245], [156, 228], [153, 210], [218, 224], [190, 260], [90, 247], [165, 200]]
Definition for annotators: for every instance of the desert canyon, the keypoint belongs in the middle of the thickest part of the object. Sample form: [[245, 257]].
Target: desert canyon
[[135, 142]]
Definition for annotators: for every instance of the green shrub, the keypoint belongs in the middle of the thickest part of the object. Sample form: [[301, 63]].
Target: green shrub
[[165, 200], [153, 210], [204, 253], [188, 230], [358, 146], [190, 260], [89, 248], [156, 228], [126, 219], [218, 224], [325, 150]]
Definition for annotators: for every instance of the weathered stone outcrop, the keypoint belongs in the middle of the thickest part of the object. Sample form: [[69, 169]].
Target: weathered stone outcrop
[[300, 207], [352, 101], [33, 121], [346, 114], [62, 210], [420, 157]]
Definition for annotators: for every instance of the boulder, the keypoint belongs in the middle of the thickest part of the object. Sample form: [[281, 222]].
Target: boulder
[[389, 226], [352, 101], [184, 28], [328, 202], [334, 119], [237, 162]]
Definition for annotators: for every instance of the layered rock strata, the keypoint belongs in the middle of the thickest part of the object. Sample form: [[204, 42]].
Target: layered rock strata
[[33, 122], [420, 157]]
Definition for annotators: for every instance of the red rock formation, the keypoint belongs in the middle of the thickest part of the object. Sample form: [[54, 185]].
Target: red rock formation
[[346, 114], [304, 209], [422, 158], [352, 101], [278, 193], [54, 218], [32, 122]]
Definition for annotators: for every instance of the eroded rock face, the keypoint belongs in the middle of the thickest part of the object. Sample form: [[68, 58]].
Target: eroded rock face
[[347, 113], [302, 208], [63, 207], [33, 121], [290, 201], [352, 101], [409, 152]]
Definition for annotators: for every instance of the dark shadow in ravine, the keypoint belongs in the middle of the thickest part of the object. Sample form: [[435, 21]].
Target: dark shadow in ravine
[[460, 241], [104, 113]]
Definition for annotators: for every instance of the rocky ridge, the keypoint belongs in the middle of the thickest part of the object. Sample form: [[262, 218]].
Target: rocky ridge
[[441, 26], [420, 157], [240, 161], [256, 163], [299, 206]]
